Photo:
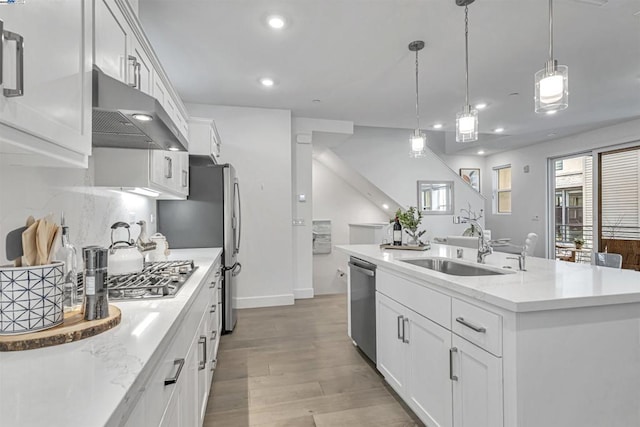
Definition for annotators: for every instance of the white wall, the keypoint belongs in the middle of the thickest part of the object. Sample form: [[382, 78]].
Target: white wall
[[89, 211], [336, 200], [257, 142], [382, 156], [529, 190]]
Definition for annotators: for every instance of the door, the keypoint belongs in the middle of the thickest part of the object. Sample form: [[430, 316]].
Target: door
[[390, 347], [112, 38], [46, 72], [204, 349], [477, 393], [428, 387]]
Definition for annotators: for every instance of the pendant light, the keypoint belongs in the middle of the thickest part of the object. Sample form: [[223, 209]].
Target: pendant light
[[418, 140], [467, 119], [552, 82]]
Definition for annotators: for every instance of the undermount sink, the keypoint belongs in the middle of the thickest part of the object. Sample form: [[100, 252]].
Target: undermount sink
[[453, 268]]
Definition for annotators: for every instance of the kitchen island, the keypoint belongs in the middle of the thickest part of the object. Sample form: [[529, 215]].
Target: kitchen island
[[98, 381], [556, 345]]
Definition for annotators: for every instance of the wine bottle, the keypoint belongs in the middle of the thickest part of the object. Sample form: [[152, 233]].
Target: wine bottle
[[397, 233]]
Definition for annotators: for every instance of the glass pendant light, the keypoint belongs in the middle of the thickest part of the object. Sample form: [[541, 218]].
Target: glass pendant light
[[418, 140], [467, 119], [552, 82]]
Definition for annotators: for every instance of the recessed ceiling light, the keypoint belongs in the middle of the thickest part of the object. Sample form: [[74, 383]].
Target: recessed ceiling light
[[551, 112], [143, 117], [498, 130], [385, 206], [481, 106], [276, 22], [481, 152], [174, 149], [514, 94], [316, 101], [267, 82], [437, 126]]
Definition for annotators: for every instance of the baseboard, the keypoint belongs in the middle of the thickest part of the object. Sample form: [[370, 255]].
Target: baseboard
[[303, 293], [264, 301]]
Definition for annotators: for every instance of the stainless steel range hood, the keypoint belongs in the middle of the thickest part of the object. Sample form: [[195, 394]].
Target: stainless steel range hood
[[114, 124]]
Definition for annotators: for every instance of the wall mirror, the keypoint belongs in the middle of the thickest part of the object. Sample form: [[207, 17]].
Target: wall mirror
[[435, 197]]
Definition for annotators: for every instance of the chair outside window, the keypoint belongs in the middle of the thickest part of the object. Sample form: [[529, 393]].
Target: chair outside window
[[608, 260]]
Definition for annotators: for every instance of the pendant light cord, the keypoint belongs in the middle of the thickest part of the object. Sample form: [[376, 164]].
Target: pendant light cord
[[466, 50], [550, 30], [417, 102]]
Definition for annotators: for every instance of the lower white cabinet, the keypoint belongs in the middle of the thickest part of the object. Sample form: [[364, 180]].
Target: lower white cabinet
[[413, 356], [477, 390], [445, 379]]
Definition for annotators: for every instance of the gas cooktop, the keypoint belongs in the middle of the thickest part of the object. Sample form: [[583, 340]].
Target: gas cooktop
[[157, 280]]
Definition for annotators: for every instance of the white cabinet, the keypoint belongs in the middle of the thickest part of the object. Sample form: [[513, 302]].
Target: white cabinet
[[158, 173], [203, 138], [445, 378], [112, 40], [477, 391], [390, 349], [45, 106], [413, 356]]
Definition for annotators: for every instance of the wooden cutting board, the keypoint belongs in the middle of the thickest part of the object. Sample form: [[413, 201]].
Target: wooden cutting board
[[73, 328]]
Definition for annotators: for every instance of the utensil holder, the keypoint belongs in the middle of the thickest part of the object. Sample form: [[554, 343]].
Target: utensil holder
[[31, 298]]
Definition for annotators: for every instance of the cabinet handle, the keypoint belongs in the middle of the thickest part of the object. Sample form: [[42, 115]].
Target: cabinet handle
[[203, 362], [400, 337], [214, 334], [138, 79], [480, 329], [174, 379], [134, 62], [185, 178], [214, 363], [213, 309], [168, 167], [212, 285], [405, 326], [451, 376], [15, 37]]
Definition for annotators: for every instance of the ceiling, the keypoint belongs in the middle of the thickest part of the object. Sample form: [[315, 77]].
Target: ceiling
[[352, 56]]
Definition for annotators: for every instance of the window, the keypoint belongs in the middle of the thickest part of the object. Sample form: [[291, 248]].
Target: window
[[502, 189]]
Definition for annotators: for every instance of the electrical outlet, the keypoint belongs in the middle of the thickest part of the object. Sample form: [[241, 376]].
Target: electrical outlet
[[298, 221]]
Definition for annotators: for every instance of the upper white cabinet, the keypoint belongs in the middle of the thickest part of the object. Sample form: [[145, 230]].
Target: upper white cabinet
[[203, 138], [45, 105], [156, 173], [123, 52]]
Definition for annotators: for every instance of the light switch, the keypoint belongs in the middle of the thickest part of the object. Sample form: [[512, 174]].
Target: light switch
[[302, 198]]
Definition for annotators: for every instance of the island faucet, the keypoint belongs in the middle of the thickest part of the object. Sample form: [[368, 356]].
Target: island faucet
[[484, 248]]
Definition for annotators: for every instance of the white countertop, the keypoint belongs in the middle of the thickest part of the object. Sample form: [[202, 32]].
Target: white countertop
[[546, 285], [84, 383]]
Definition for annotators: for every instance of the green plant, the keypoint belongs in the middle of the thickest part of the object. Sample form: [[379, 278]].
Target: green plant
[[410, 221], [578, 241]]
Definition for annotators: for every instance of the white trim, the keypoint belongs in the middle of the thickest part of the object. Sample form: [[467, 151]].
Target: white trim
[[303, 293], [263, 301]]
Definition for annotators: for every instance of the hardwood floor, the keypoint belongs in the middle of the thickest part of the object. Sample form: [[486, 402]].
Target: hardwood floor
[[296, 366]]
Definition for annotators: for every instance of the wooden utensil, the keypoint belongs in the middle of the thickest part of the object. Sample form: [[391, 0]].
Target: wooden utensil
[[29, 249]]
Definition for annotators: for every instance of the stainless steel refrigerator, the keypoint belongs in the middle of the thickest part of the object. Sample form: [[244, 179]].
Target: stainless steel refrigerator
[[210, 217]]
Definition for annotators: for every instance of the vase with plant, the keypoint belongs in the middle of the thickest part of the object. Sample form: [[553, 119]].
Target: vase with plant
[[410, 221], [578, 242]]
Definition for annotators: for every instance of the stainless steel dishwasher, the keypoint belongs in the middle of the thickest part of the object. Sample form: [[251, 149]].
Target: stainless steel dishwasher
[[363, 305]]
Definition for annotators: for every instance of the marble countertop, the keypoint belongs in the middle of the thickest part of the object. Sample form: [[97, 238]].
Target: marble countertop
[[546, 285], [84, 383]]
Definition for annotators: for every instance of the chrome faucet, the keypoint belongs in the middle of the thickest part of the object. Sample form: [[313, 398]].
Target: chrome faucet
[[484, 248], [522, 258]]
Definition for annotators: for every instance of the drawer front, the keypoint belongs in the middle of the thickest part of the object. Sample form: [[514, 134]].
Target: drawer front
[[477, 325], [429, 303]]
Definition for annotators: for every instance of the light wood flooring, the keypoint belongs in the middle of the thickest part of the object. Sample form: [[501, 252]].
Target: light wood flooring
[[296, 366]]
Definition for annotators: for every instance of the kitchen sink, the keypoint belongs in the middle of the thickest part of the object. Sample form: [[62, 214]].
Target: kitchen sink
[[453, 268]]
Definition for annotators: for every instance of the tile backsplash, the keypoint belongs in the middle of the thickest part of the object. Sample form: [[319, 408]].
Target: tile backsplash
[[89, 211]]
